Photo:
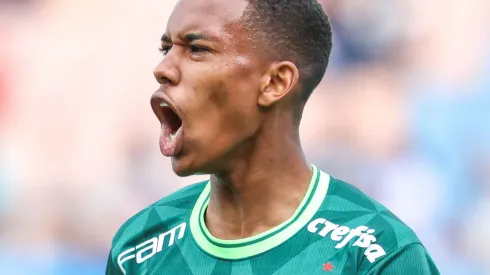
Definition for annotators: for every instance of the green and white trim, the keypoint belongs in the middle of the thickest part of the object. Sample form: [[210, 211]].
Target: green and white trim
[[249, 247]]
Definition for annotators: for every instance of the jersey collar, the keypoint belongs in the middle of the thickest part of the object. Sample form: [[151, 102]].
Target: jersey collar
[[249, 247]]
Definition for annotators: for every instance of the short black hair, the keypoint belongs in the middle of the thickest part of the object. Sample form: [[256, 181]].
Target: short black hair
[[294, 30]]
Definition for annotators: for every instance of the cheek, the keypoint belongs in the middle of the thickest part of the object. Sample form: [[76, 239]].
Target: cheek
[[235, 102], [224, 111]]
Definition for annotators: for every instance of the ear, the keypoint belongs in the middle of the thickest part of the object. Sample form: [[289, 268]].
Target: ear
[[278, 81]]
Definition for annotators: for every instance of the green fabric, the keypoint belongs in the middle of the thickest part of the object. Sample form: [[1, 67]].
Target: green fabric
[[336, 230], [405, 260]]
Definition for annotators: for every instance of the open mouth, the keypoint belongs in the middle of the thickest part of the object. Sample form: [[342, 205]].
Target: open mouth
[[171, 134], [170, 119]]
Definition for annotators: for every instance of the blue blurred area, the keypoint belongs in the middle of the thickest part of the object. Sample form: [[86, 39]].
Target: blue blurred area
[[66, 260], [451, 133]]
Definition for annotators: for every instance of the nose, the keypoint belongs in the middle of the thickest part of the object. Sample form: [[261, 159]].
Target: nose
[[167, 72]]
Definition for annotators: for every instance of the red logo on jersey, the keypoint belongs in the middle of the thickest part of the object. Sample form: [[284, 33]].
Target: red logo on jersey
[[328, 267]]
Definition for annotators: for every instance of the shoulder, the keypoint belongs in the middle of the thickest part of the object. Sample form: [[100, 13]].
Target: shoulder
[[409, 259], [170, 210], [352, 221], [146, 233]]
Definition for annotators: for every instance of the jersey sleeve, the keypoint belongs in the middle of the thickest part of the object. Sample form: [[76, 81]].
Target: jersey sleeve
[[407, 260], [111, 268]]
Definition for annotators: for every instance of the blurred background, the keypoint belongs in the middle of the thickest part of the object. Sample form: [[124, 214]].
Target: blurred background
[[403, 113]]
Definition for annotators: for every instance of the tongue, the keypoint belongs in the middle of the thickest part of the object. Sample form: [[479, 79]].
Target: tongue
[[170, 144]]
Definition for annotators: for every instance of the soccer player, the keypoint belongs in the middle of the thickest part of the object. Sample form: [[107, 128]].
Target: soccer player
[[234, 80]]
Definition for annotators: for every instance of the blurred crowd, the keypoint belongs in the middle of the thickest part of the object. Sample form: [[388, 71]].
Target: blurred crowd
[[403, 113]]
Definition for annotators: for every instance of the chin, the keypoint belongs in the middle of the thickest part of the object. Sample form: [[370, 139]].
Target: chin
[[185, 168], [180, 169]]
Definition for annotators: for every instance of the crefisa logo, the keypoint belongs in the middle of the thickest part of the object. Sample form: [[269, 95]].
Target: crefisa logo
[[343, 234]]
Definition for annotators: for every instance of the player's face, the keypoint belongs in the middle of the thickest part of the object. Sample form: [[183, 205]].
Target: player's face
[[207, 100]]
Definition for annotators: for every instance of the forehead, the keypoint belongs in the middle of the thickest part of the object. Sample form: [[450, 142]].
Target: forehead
[[215, 17]]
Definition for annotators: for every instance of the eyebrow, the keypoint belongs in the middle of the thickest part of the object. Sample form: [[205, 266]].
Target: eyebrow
[[190, 37]]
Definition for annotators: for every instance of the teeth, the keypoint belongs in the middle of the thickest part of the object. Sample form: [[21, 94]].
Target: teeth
[[163, 104], [172, 136]]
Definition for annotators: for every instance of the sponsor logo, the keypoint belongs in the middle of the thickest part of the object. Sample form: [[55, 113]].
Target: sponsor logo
[[149, 248], [343, 234]]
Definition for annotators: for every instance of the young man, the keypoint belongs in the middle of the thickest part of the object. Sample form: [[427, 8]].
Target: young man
[[234, 78]]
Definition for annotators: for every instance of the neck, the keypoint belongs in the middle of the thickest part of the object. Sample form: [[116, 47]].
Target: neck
[[261, 190]]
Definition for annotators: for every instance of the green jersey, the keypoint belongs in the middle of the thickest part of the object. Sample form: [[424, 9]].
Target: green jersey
[[336, 229]]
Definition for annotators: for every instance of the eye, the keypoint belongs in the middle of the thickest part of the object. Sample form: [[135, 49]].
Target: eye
[[198, 49], [164, 50]]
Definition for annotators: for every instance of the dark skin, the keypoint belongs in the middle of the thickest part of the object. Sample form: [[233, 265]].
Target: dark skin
[[239, 114]]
